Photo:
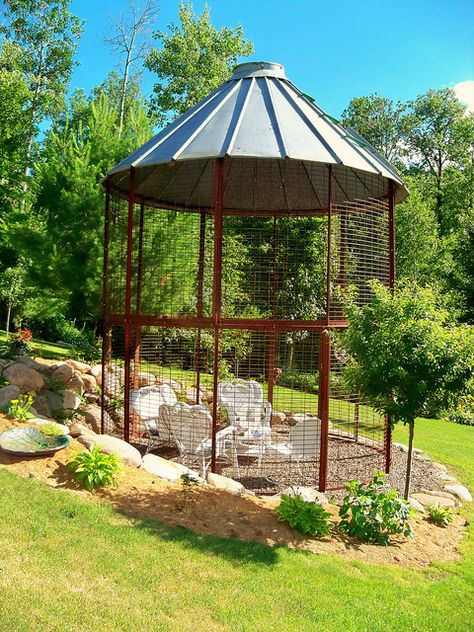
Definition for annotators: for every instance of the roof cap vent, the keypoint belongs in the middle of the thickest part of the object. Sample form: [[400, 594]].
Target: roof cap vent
[[258, 69]]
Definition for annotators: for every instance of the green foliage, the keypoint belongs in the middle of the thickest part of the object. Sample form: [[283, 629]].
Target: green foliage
[[194, 58], [19, 408], [187, 483], [306, 517], [380, 121], [406, 355], [371, 512], [51, 429], [306, 382], [463, 413], [93, 468], [440, 515]]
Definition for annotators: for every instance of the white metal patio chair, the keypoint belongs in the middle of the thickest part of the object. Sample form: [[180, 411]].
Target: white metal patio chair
[[303, 444], [147, 402], [249, 413], [191, 427]]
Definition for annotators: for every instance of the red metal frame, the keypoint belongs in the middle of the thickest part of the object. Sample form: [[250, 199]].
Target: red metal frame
[[267, 331]]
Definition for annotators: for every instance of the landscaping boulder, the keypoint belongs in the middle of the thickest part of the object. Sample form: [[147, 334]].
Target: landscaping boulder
[[7, 393], [416, 505], [82, 367], [434, 500], [76, 429], [225, 483], [95, 370], [92, 414], [71, 401], [33, 364], [168, 470], [118, 417], [54, 400], [278, 418], [27, 380], [112, 445], [41, 405], [76, 384], [62, 372], [460, 491], [309, 494], [111, 384], [90, 383], [295, 418]]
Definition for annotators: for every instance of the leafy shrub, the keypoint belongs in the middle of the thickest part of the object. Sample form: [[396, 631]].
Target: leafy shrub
[[51, 429], [94, 468], [464, 412], [372, 511], [82, 341], [304, 516], [440, 515], [20, 408], [306, 382]]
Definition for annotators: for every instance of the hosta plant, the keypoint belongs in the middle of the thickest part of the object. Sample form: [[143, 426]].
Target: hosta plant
[[372, 511], [51, 429], [306, 517], [94, 468], [440, 515]]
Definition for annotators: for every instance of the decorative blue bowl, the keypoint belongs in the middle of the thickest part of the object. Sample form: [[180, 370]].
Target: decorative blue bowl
[[31, 442]]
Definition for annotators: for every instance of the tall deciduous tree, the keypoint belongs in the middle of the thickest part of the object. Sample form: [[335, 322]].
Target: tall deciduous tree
[[194, 58], [406, 357], [47, 34], [130, 41], [380, 121], [437, 134]]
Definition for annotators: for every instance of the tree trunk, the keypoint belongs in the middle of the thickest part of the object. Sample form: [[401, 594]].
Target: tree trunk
[[7, 328], [411, 426]]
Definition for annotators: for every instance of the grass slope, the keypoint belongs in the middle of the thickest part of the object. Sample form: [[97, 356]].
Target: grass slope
[[68, 564]]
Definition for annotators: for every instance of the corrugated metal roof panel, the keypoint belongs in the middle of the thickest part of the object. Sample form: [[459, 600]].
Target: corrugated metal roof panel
[[257, 115]]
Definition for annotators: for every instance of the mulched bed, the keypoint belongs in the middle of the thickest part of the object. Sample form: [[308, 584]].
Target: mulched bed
[[347, 461]]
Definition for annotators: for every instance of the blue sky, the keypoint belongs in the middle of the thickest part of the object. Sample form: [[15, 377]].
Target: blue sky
[[332, 50]]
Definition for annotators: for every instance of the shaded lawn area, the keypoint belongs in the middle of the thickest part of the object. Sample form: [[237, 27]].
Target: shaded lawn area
[[71, 564]]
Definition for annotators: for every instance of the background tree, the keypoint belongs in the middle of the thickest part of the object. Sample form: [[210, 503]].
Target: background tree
[[130, 41], [380, 121], [406, 357], [12, 290], [437, 135], [193, 60], [47, 34]]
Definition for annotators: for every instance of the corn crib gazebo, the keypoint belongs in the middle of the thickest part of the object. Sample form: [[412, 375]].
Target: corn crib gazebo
[[227, 239]]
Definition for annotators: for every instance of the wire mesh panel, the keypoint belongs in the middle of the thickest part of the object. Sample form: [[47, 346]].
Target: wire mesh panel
[[216, 352]]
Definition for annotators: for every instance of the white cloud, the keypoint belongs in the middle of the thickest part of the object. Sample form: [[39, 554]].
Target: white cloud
[[465, 93]]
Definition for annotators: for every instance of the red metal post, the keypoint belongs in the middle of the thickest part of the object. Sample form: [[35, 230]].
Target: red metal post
[[199, 306], [325, 358], [217, 290], [391, 281], [272, 342], [105, 324], [138, 330], [128, 303]]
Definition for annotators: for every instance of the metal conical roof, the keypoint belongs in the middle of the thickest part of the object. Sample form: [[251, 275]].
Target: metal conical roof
[[278, 143]]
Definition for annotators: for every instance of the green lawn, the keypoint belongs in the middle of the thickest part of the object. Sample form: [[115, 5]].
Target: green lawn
[[42, 348], [68, 564]]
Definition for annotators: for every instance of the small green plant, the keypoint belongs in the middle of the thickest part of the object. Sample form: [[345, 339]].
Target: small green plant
[[306, 517], [51, 429], [440, 515], [20, 408], [187, 482], [94, 468], [372, 511], [56, 385]]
